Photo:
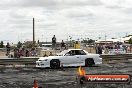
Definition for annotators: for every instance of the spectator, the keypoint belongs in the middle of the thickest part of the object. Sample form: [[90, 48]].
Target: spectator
[[99, 49], [8, 49], [50, 54], [54, 42], [22, 52], [45, 55], [27, 53], [15, 53], [96, 48], [33, 52], [63, 45]]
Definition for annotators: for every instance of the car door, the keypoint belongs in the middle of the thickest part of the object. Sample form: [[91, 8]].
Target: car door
[[77, 56], [71, 58], [83, 56]]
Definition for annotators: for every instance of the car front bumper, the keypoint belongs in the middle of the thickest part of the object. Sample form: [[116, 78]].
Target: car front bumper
[[42, 64]]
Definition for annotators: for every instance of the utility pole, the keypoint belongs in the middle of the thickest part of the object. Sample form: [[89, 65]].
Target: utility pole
[[33, 33]]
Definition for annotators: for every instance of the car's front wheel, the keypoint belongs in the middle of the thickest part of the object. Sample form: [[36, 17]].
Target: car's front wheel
[[89, 62], [55, 64]]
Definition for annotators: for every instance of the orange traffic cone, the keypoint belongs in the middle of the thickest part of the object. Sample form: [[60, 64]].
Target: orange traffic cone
[[35, 84]]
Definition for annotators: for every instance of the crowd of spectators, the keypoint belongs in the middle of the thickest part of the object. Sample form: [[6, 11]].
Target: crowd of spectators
[[100, 48], [22, 52], [107, 47]]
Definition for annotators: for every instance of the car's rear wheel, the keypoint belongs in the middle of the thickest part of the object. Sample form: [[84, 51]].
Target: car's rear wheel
[[89, 62], [55, 64]]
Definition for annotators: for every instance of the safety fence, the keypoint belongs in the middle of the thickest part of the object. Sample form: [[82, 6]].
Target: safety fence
[[117, 58], [16, 62]]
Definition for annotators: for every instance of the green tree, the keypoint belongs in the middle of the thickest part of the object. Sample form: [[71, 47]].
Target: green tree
[[19, 44], [30, 45], [84, 41], [90, 41], [130, 41], [1, 44]]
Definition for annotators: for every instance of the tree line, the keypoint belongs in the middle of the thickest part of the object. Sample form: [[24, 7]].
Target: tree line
[[1, 44]]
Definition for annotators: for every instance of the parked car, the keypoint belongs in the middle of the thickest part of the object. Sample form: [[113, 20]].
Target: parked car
[[70, 57]]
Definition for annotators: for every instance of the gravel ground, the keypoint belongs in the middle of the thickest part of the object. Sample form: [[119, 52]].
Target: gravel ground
[[66, 78]]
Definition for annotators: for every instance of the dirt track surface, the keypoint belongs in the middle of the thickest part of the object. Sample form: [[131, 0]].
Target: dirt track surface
[[50, 78]]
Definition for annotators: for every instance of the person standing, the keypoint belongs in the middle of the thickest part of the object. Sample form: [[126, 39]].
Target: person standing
[[22, 52], [27, 53], [100, 48], [54, 42], [96, 48], [8, 49], [50, 54], [63, 46]]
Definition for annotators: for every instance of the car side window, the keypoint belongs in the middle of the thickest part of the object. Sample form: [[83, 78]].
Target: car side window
[[73, 52], [82, 52], [76, 52], [70, 53]]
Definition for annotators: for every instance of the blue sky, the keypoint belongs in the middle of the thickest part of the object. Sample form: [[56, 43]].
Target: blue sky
[[76, 18]]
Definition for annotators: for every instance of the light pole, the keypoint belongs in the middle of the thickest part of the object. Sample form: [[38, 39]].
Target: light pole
[[33, 33]]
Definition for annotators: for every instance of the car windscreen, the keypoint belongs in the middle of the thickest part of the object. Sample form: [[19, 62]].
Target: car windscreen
[[62, 53]]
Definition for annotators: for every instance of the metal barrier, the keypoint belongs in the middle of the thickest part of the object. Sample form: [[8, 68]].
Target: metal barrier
[[106, 58], [19, 61]]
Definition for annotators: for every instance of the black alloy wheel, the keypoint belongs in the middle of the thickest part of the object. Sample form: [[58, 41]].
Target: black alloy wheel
[[89, 62], [55, 64]]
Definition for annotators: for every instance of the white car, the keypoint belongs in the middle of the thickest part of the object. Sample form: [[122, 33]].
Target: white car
[[70, 57]]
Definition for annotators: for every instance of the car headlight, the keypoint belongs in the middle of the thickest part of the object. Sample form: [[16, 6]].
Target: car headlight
[[45, 60]]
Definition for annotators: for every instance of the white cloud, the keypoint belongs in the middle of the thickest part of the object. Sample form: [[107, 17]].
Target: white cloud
[[78, 18]]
